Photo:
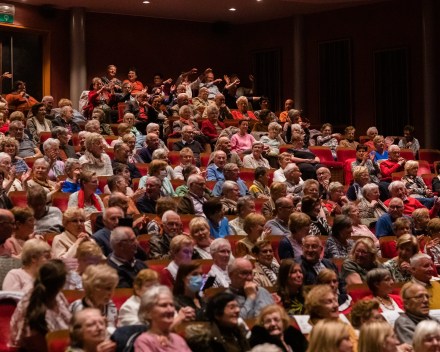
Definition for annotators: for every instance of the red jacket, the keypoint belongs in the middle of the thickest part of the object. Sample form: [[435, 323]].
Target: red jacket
[[412, 204], [387, 168], [208, 129], [238, 115], [396, 298], [94, 100]]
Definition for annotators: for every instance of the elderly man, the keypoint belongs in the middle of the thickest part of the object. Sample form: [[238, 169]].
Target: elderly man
[[231, 173], [231, 192], [224, 112], [395, 163], [224, 144], [189, 142], [152, 142], [48, 104], [416, 306], [210, 83], [122, 151], [48, 219], [214, 172], [422, 268], [279, 225], [182, 100], [124, 243], [138, 107], [288, 105], [160, 243], [192, 202], [324, 177], [7, 263], [28, 149], [398, 190], [245, 206], [66, 120], [250, 298], [294, 181], [147, 203], [66, 150], [384, 225]]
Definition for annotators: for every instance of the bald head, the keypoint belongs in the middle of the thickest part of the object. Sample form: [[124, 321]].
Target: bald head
[[224, 143], [118, 199], [48, 102], [7, 221], [111, 217]]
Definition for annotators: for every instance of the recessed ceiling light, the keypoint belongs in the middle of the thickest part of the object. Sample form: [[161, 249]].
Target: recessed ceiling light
[[231, 9], [146, 2]]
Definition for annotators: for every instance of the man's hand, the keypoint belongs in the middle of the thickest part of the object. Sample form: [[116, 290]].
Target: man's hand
[[226, 78], [251, 78], [218, 80], [141, 222], [401, 161], [139, 192], [169, 80], [106, 346], [250, 289]]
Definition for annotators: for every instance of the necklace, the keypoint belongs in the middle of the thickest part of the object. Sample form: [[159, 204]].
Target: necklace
[[386, 306]]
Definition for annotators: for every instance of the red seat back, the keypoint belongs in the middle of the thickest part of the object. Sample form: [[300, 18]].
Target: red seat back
[[348, 175], [323, 153], [18, 198], [364, 139], [44, 136], [177, 182], [75, 139], [121, 109], [135, 183], [229, 123], [171, 141], [211, 184], [60, 200], [186, 219], [423, 168], [102, 182], [30, 162], [144, 240], [110, 152], [206, 265], [7, 307], [429, 155], [204, 159], [397, 176], [143, 168], [174, 158], [158, 265], [233, 239], [271, 172], [58, 341], [358, 291], [338, 262], [110, 139], [283, 148], [427, 178], [73, 295], [121, 295], [259, 205], [275, 242], [93, 217], [247, 174], [386, 250], [345, 153], [407, 154], [114, 127]]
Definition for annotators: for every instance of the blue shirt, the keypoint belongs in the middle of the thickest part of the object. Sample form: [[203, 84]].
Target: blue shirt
[[217, 191], [380, 156], [70, 187], [20, 166], [219, 231], [384, 226], [213, 174]]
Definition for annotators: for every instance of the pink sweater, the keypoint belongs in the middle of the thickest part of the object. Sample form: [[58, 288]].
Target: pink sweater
[[241, 143], [150, 343]]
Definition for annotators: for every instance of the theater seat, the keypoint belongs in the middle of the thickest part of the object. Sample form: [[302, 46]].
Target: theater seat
[[114, 127], [424, 168], [323, 240], [427, 178], [275, 242], [271, 172], [177, 182], [18, 198], [93, 217], [102, 182], [75, 139], [233, 239], [360, 291], [326, 157], [121, 109], [397, 176], [186, 219], [385, 249], [44, 136], [60, 200], [259, 205], [345, 153], [110, 152], [174, 158], [247, 174], [58, 341], [211, 184], [158, 265], [171, 141], [49, 237], [338, 262], [364, 139], [135, 183], [121, 295], [429, 155], [206, 265], [144, 240], [30, 161], [7, 308], [229, 123], [73, 295], [348, 175], [211, 292], [204, 159], [143, 168], [407, 154], [110, 139], [283, 148]]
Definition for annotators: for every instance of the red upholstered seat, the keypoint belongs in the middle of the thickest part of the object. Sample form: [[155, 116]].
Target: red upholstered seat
[[283, 148], [102, 182], [44, 136], [75, 139], [424, 168], [110, 152], [271, 172], [177, 182], [171, 141], [259, 205], [144, 240], [18, 198], [275, 242], [326, 157], [323, 241], [110, 139], [174, 158], [364, 139], [206, 265], [345, 153], [229, 123], [60, 200], [135, 183], [58, 341], [7, 308], [211, 184], [360, 291], [143, 168], [338, 262], [158, 265], [186, 219], [121, 295], [233, 239], [348, 175], [407, 154], [397, 176], [427, 178], [121, 109], [114, 127], [30, 162], [429, 155], [247, 174], [204, 158], [73, 295], [387, 251]]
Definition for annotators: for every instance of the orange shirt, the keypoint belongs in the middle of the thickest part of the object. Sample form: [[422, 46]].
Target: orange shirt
[[137, 86]]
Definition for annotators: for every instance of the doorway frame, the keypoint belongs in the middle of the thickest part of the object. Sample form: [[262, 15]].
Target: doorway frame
[[45, 34]]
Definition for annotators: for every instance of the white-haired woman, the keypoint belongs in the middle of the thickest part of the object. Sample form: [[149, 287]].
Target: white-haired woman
[[199, 231], [35, 253], [157, 311], [11, 147], [10, 181], [337, 199], [82, 142], [394, 163], [130, 120], [73, 169], [361, 177], [352, 211], [371, 133], [185, 113], [273, 140], [155, 128], [254, 160], [66, 244], [284, 159], [327, 139], [243, 113], [371, 207], [221, 255], [40, 177], [162, 154], [51, 149], [94, 158], [130, 140], [212, 127], [416, 187], [426, 337], [93, 126], [201, 102]]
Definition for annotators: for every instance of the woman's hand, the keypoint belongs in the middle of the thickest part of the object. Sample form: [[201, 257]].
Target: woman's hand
[[374, 203], [82, 237], [58, 186], [344, 200], [141, 222], [430, 245], [405, 267], [404, 347], [266, 233], [185, 314], [25, 176], [226, 78], [263, 196], [372, 156]]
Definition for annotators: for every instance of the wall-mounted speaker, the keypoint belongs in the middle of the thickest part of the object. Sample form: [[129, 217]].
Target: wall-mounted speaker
[[48, 11]]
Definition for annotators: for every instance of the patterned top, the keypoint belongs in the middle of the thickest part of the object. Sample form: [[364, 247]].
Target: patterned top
[[366, 211], [110, 311], [335, 249], [435, 254], [296, 190], [257, 188], [236, 227], [415, 146], [20, 165], [416, 184], [328, 141], [395, 271], [374, 172], [315, 229]]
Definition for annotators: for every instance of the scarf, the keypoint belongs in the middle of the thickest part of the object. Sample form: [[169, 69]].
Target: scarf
[[93, 160], [221, 277], [187, 122], [264, 189], [45, 127], [44, 183], [173, 268], [55, 168], [271, 273], [81, 200], [203, 253]]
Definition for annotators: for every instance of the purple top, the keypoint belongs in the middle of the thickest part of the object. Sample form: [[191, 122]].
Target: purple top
[[56, 170], [150, 343]]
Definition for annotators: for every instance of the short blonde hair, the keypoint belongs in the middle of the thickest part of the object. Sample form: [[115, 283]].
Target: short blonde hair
[[127, 137], [296, 137], [367, 242], [9, 140], [377, 139], [276, 187], [177, 243], [252, 220], [99, 275], [358, 171], [434, 225], [156, 165], [334, 186], [284, 155], [242, 99], [88, 248], [33, 248], [64, 102], [298, 221], [373, 335], [72, 212], [327, 335], [92, 138], [314, 299], [309, 183], [401, 222], [270, 309], [197, 223], [418, 214], [325, 276], [423, 329], [349, 129], [16, 116], [123, 127], [144, 276], [411, 164], [408, 238], [187, 151]]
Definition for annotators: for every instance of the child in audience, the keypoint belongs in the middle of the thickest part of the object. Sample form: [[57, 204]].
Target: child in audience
[[434, 231]]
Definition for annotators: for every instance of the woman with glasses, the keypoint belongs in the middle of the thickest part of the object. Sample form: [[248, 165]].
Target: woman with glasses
[[291, 245], [40, 177], [381, 284], [24, 230]]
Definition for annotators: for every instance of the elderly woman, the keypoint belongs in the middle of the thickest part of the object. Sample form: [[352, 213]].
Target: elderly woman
[[99, 283], [201, 102], [94, 158], [130, 140], [352, 211], [362, 259], [155, 128], [367, 160], [100, 98], [266, 268], [231, 192], [394, 164], [339, 244], [371, 133], [73, 169], [35, 253], [381, 283], [130, 120], [199, 231], [399, 267], [349, 141], [40, 177], [128, 313], [86, 199], [331, 336], [307, 162], [181, 249], [93, 127], [44, 309], [312, 207], [416, 187], [273, 327], [253, 226], [273, 140], [361, 178], [242, 113], [311, 188], [336, 198], [52, 151], [11, 147], [371, 207], [186, 157], [157, 311], [245, 206], [330, 278], [291, 245], [327, 139], [426, 336], [162, 154], [284, 159], [88, 253], [104, 128], [123, 129], [158, 168], [290, 287], [66, 244], [254, 160], [379, 152], [82, 142], [10, 181], [221, 255], [380, 337], [218, 223], [38, 123], [185, 114], [24, 230], [365, 311], [408, 141], [212, 127]]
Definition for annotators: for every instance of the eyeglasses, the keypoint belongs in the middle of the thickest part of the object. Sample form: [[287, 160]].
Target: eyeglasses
[[420, 297]]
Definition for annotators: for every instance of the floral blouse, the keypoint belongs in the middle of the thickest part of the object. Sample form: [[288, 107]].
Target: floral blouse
[[334, 249], [396, 273], [328, 142], [416, 184]]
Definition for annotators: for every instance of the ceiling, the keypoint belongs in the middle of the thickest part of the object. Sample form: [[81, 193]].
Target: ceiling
[[206, 10]]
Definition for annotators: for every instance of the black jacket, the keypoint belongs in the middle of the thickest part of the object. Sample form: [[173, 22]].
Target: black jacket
[[70, 151], [125, 337], [292, 337], [134, 171], [58, 121], [146, 205], [126, 272]]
